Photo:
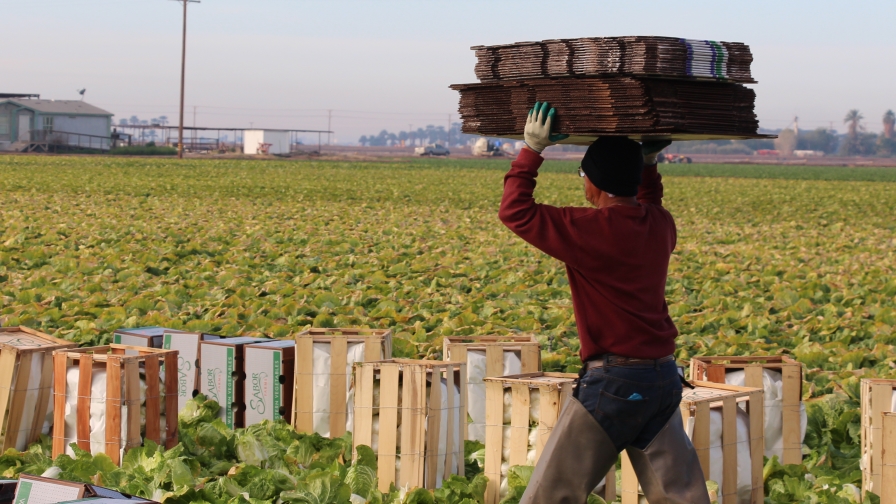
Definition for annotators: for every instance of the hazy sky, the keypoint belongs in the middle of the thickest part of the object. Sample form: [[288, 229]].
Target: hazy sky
[[387, 64]]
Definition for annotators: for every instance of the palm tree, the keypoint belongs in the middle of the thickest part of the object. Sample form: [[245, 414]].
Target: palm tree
[[889, 122], [852, 146]]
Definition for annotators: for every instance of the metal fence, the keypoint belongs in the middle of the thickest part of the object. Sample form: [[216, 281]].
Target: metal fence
[[50, 139]]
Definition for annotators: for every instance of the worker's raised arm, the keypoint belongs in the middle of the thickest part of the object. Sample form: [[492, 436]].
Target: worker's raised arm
[[651, 189], [546, 227]]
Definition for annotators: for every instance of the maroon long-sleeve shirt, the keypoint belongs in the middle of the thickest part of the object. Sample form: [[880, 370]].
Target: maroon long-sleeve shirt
[[617, 259]]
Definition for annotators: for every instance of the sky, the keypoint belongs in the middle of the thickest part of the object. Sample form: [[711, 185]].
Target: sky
[[387, 64]]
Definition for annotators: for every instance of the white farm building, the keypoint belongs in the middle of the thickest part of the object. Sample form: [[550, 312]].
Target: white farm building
[[26, 122]]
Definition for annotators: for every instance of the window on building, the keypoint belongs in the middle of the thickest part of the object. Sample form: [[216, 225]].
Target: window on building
[[4, 124], [48, 123]]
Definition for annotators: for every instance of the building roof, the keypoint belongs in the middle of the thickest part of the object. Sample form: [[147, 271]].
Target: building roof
[[71, 107], [19, 95]]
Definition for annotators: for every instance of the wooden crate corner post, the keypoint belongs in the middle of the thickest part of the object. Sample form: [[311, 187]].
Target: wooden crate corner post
[[887, 490], [122, 389]]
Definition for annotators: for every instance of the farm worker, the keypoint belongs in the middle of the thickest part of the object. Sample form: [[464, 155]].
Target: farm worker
[[617, 258]]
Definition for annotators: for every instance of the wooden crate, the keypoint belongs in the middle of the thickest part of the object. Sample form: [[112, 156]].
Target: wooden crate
[[887, 490], [695, 404], [877, 399], [26, 379], [713, 369], [377, 347], [421, 419], [553, 389], [455, 349], [122, 372]]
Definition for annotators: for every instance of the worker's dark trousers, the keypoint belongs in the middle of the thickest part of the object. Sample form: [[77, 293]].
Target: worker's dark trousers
[[620, 407]]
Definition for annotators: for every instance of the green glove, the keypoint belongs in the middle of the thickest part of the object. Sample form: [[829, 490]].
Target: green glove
[[650, 149], [538, 128]]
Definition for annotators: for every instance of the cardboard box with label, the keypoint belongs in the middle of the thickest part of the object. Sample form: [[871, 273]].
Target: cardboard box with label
[[150, 336], [187, 346], [222, 376], [39, 490], [270, 375]]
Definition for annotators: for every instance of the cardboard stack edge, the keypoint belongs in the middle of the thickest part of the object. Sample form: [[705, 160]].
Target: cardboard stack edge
[[640, 87]]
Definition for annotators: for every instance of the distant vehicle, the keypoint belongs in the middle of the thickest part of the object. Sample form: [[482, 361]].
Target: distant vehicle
[[432, 150], [674, 159], [487, 148]]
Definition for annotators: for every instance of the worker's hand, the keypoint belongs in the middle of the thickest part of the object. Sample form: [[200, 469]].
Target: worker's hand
[[650, 149], [538, 128]]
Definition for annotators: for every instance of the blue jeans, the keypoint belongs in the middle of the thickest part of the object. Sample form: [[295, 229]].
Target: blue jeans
[[631, 403]]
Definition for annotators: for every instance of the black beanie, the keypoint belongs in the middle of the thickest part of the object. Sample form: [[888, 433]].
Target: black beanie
[[614, 165]]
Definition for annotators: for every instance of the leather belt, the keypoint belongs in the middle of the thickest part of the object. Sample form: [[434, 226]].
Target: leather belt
[[618, 360]]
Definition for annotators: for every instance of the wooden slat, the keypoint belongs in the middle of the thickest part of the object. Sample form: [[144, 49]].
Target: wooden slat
[[753, 376], [171, 412], [113, 410], [8, 360], [433, 425], [338, 390], [44, 396], [729, 450], [132, 400], [17, 404], [881, 399], [464, 409], [494, 361], [629, 481], [452, 400], [303, 403], [530, 358], [363, 433], [413, 425], [494, 419], [373, 350], [887, 490], [549, 404], [519, 424], [60, 366], [388, 423], [82, 414], [790, 410], [700, 438], [153, 400], [698, 368], [610, 485], [757, 445]]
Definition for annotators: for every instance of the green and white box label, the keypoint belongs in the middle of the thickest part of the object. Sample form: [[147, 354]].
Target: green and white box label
[[263, 390], [217, 378]]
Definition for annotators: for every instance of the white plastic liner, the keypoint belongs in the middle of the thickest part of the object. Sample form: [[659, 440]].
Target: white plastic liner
[[98, 409], [772, 384], [31, 397], [320, 371], [476, 388]]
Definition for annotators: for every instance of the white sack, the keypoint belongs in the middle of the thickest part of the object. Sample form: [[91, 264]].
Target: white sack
[[320, 379], [476, 362], [457, 435], [98, 410], [773, 387], [716, 460]]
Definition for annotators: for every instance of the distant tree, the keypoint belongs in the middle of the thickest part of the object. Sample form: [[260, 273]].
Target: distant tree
[[363, 140], [852, 146], [163, 120], [135, 120], [122, 122], [403, 137], [820, 139], [889, 122]]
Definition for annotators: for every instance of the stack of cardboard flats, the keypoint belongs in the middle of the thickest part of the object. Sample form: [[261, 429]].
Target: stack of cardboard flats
[[641, 87]]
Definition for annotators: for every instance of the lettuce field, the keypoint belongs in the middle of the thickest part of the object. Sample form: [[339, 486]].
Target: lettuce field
[[764, 265]]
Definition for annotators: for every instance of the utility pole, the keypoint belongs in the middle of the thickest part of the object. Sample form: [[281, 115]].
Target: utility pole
[[183, 66], [329, 116]]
